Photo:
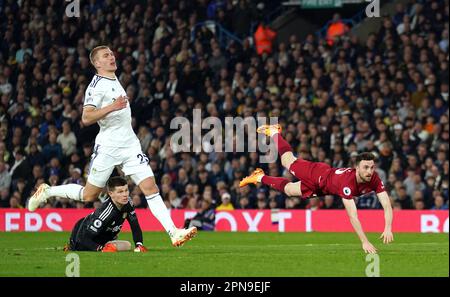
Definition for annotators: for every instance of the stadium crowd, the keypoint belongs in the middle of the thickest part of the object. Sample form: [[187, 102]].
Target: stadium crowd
[[388, 96]]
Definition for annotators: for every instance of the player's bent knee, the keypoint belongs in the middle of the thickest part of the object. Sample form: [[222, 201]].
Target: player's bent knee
[[287, 159], [148, 186], [293, 189], [91, 192], [121, 245]]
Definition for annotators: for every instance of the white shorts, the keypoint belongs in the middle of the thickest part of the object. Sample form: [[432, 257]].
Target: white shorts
[[132, 161]]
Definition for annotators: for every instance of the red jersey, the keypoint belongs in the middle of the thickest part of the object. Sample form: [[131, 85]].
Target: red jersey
[[342, 182]]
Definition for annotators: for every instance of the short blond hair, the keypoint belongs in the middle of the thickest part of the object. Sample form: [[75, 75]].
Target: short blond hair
[[94, 52]]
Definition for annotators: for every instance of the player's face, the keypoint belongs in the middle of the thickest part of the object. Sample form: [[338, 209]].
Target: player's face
[[365, 170], [106, 60], [120, 194]]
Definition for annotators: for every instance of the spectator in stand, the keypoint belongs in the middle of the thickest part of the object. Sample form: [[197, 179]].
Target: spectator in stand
[[439, 203], [204, 219], [226, 202]]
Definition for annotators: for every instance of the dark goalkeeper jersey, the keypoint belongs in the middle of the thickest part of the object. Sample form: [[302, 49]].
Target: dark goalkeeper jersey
[[103, 225]]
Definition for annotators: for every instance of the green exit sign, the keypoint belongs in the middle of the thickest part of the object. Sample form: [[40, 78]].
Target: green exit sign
[[309, 4]]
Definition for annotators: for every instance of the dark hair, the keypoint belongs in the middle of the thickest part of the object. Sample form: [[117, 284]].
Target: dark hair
[[364, 157], [116, 181]]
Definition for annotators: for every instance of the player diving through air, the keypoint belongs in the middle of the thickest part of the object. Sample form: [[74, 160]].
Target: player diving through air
[[316, 178], [116, 144]]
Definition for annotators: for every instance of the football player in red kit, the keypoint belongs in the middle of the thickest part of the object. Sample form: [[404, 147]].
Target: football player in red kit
[[318, 179]]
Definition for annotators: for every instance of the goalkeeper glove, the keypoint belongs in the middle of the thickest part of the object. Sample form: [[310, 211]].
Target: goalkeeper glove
[[140, 248], [109, 248]]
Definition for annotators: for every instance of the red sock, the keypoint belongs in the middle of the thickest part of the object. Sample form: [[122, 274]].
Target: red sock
[[278, 183], [282, 145]]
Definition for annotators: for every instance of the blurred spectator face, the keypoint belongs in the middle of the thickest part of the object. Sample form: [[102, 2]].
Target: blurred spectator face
[[402, 193], [76, 173], [243, 202], [419, 205], [205, 204], [439, 201], [313, 202], [203, 175], [262, 204], [329, 200], [430, 182], [21, 185], [48, 116], [52, 138], [226, 198], [165, 188], [417, 179], [33, 149], [14, 202], [18, 155], [418, 195], [66, 127], [53, 180], [182, 174], [192, 203], [397, 205], [74, 158], [54, 162], [4, 193], [189, 189], [173, 195]]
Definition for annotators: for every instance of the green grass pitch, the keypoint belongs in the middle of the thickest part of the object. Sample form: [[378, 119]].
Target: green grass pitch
[[231, 255]]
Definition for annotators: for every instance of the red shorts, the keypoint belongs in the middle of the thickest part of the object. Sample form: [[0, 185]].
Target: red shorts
[[311, 174]]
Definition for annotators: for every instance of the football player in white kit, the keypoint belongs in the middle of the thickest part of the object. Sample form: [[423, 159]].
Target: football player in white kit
[[116, 144]]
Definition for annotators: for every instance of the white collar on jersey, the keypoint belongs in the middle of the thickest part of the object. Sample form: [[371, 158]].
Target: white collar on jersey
[[115, 77]]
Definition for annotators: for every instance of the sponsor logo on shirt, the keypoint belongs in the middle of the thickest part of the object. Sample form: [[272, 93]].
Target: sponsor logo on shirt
[[347, 191], [97, 223], [341, 170]]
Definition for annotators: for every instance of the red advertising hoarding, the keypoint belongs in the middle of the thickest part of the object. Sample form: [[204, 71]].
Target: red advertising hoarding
[[240, 220]]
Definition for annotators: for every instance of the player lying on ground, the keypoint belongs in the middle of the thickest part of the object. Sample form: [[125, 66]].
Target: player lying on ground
[[316, 178], [116, 144], [98, 231]]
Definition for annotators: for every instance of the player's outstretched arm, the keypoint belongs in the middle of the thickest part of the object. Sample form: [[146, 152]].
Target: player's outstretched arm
[[92, 115], [387, 235], [352, 212], [137, 232]]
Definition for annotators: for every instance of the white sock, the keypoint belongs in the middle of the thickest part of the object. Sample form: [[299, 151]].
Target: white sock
[[259, 178], [159, 210], [71, 191], [273, 132]]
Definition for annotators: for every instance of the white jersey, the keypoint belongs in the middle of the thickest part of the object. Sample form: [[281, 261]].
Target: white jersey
[[115, 128]]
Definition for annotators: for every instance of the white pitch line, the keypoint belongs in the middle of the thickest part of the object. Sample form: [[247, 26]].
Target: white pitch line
[[324, 244], [246, 246], [35, 249]]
